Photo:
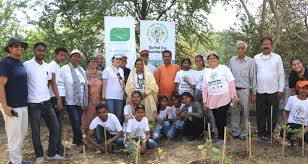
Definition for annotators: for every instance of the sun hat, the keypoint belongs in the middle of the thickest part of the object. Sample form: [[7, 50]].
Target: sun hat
[[13, 41]]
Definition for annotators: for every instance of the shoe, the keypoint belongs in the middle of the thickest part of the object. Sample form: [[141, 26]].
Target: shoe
[[39, 160], [243, 138], [260, 138], [219, 143], [56, 157], [25, 162], [236, 137], [98, 151]]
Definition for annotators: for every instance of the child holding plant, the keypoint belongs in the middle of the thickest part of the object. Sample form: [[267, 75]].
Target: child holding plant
[[129, 109], [296, 112], [138, 128], [164, 118]]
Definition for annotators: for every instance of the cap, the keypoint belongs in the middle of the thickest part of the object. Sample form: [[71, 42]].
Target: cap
[[14, 41], [76, 52]]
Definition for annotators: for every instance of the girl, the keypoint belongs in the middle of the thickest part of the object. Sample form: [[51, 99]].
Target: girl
[[192, 115], [129, 109], [164, 119], [296, 111], [138, 127], [184, 78]]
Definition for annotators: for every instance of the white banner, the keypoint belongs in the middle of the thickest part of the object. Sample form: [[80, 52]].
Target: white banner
[[157, 36], [120, 39]]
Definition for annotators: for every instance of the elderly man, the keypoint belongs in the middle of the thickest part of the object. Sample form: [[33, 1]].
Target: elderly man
[[243, 69], [270, 85], [144, 55]]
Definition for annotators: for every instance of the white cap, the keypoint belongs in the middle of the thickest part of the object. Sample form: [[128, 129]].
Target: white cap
[[76, 52]]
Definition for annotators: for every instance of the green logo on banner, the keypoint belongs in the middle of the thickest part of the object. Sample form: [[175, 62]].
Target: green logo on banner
[[157, 33], [119, 34]]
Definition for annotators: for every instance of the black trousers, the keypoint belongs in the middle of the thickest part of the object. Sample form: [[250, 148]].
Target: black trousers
[[220, 115], [264, 103], [193, 128]]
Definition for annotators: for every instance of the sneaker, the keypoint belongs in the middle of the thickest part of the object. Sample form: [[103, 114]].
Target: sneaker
[[98, 151], [260, 138], [219, 143], [39, 160], [243, 138], [56, 157], [236, 137]]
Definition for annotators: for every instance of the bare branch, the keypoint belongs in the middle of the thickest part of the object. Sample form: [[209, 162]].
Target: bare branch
[[263, 17], [250, 17], [164, 12]]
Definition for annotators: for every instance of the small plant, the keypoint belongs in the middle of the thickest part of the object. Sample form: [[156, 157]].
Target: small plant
[[131, 150], [208, 152], [253, 158]]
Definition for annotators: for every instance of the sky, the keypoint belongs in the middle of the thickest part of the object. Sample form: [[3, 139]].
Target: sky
[[221, 17]]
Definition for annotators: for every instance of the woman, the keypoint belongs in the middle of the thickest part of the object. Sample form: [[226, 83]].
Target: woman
[[129, 109], [299, 72], [192, 115], [198, 76], [218, 92], [94, 77], [76, 91], [142, 80], [184, 78]]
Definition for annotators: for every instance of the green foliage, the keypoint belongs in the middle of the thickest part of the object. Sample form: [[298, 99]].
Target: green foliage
[[131, 150], [208, 152]]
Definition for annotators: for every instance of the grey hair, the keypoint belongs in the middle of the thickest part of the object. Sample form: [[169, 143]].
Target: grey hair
[[241, 42]]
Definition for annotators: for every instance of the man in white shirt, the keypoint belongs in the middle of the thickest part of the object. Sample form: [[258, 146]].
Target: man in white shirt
[[270, 85], [39, 104], [144, 55], [57, 91]]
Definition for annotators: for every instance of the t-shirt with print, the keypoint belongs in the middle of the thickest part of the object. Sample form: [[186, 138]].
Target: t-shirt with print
[[113, 88], [298, 110], [133, 125], [139, 83], [16, 88], [183, 86], [112, 124], [55, 68], [218, 79], [198, 76], [293, 77]]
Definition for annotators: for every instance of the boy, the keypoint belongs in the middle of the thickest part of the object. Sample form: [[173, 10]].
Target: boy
[[296, 111], [113, 127]]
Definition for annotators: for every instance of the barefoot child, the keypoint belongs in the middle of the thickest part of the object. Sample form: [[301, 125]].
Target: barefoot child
[[138, 127], [113, 129], [296, 111], [129, 109], [164, 118]]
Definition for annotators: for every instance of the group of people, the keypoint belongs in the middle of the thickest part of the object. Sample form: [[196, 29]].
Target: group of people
[[119, 106]]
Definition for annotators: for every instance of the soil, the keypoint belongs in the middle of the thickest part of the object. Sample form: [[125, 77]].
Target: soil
[[173, 152]]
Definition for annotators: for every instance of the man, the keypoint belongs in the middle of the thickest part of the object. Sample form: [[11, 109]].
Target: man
[[113, 87], [144, 55], [165, 75], [125, 69], [243, 69], [299, 72], [113, 127], [270, 85], [39, 104], [13, 98], [57, 91]]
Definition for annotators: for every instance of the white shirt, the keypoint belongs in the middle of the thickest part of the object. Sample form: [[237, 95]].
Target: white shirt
[[128, 110], [55, 68], [218, 79], [183, 86], [270, 73], [133, 125], [112, 124], [68, 83], [37, 79], [113, 88], [152, 68], [198, 76], [298, 110]]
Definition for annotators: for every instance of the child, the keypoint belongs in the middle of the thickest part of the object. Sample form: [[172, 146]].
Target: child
[[192, 115], [113, 129], [164, 118], [185, 82], [129, 109], [138, 127], [296, 111]]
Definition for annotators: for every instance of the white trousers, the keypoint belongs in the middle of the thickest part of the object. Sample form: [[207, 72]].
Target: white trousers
[[16, 130]]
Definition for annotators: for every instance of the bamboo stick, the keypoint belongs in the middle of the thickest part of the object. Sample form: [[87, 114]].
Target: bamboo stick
[[210, 139], [247, 141], [224, 146], [249, 138], [271, 124], [106, 144], [283, 142], [303, 140]]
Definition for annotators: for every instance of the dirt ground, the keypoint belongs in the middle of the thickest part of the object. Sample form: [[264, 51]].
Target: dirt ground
[[173, 152]]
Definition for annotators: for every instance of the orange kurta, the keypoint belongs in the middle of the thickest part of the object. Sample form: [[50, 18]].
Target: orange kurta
[[165, 75]]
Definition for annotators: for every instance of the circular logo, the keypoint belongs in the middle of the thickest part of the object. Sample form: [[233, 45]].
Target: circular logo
[[157, 33]]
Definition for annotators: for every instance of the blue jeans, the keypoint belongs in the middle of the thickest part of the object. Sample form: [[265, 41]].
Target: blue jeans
[[36, 112], [100, 137], [59, 114], [167, 130], [151, 144], [116, 107], [75, 113]]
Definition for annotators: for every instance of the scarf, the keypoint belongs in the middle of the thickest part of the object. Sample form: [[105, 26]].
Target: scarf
[[80, 99]]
